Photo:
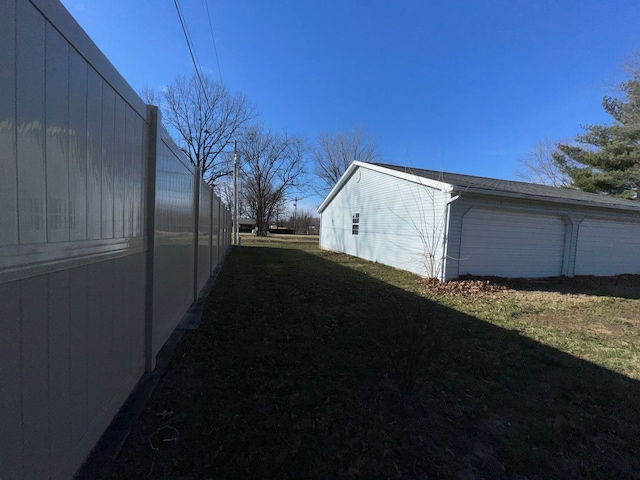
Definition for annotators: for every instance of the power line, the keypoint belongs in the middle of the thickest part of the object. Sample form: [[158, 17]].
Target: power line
[[213, 40], [189, 42]]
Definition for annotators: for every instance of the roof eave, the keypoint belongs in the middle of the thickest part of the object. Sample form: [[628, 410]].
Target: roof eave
[[442, 186], [542, 198]]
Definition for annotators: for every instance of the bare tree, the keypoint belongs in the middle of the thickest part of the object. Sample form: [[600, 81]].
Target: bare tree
[[280, 212], [151, 96], [631, 66], [272, 169], [304, 222], [426, 215], [538, 166], [224, 189], [421, 225], [204, 119], [334, 153]]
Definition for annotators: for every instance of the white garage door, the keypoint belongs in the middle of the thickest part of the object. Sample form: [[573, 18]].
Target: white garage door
[[508, 244], [607, 248]]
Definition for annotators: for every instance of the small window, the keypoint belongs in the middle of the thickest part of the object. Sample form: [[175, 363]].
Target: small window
[[355, 224]]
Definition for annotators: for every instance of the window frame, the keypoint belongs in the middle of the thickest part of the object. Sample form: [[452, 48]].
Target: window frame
[[355, 223]]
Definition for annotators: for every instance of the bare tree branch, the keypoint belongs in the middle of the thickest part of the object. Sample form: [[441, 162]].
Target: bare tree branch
[[334, 153], [273, 168], [538, 166], [204, 119]]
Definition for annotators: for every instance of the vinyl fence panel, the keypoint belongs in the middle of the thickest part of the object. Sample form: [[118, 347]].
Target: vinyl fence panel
[[78, 152]]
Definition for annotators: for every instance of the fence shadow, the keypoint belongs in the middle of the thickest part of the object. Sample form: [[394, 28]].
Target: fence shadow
[[320, 370]]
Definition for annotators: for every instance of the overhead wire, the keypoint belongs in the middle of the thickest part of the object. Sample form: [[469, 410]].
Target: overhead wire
[[213, 40], [190, 47]]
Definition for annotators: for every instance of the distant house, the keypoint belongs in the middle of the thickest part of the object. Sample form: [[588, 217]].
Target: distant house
[[445, 225], [246, 224]]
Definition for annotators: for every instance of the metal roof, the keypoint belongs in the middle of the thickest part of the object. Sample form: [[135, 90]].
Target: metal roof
[[509, 188]]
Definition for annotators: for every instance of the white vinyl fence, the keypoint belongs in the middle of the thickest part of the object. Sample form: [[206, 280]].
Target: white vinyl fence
[[107, 234]]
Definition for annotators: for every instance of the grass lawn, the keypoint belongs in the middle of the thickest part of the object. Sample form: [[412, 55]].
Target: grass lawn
[[313, 364]]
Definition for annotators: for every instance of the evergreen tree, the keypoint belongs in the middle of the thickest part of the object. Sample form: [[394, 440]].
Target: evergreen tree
[[606, 158]]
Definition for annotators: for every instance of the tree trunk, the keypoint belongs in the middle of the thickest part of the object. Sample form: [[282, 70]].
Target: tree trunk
[[261, 227]]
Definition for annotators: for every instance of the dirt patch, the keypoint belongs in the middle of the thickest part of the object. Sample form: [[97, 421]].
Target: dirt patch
[[601, 317]]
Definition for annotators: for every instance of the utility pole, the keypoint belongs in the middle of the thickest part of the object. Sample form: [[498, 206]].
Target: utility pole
[[236, 229], [295, 213]]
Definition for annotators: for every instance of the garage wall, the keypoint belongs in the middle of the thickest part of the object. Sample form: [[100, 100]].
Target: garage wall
[[607, 247], [592, 244], [401, 223], [511, 244], [426, 231]]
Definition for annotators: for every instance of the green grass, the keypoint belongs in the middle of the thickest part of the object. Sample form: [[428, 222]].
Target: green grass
[[313, 364]]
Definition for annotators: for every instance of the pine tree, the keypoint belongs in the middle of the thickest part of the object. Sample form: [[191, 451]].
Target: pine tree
[[606, 158]]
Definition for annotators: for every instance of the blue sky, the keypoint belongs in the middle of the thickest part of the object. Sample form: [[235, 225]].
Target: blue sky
[[464, 86]]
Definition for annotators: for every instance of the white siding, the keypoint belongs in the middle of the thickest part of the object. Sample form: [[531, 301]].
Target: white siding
[[511, 244], [607, 248], [400, 222]]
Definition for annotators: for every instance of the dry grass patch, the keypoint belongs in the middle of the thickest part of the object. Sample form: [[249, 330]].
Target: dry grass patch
[[593, 318]]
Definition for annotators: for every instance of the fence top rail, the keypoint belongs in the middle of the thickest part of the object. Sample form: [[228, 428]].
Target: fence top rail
[[174, 149]]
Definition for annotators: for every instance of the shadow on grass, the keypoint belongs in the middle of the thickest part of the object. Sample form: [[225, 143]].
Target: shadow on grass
[[306, 368]]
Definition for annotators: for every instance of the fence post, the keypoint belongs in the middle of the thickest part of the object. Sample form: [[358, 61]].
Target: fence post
[[153, 137], [221, 221], [211, 264], [196, 230]]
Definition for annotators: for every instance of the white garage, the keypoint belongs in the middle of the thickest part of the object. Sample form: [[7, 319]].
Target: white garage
[[507, 244], [444, 225], [607, 247]]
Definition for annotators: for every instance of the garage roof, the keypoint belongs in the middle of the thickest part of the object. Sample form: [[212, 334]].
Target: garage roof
[[458, 184], [509, 188]]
